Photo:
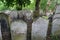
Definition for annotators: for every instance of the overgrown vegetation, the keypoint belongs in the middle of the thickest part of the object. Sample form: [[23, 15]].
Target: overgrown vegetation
[[24, 4], [30, 4], [55, 37]]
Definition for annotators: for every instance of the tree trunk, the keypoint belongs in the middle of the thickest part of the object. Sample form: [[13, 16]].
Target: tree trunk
[[5, 30], [29, 29], [36, 12], [49, 29]]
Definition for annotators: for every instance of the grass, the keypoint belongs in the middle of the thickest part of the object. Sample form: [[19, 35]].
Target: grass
[[19, 37], [45, 17], [23, 37], [55, 37]]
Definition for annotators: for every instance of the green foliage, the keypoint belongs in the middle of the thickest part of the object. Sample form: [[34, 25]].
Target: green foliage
[[58, 1], [55, 37], [2, 7], [26, 4], [43, 4], [31, 6], [52, 5], [18, 3]]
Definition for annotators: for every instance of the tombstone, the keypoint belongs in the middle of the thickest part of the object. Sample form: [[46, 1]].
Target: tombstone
[[5, 26], [39, 29], [56, 21], [18, 29], [20, 14]]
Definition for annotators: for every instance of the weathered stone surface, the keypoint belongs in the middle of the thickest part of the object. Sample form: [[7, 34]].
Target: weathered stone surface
[[39, 28], [14, 14], [56, 27], [57, 9], [56, 16], [56, 21]]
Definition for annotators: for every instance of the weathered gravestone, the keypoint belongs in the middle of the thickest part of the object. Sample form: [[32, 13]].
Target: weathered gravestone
[[24, 15], [39, 27], [56, 21], [5, 27]]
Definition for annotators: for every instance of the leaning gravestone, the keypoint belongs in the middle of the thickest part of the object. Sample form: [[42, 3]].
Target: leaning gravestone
[[56, 21]]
